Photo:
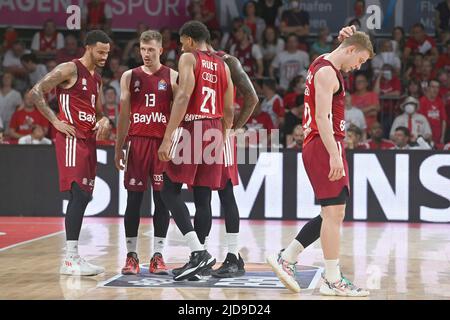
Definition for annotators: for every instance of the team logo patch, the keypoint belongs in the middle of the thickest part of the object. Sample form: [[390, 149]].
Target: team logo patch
[[85, 181], [307, 277], [132, 182], [162, 85], [84, 83], [137, 84]]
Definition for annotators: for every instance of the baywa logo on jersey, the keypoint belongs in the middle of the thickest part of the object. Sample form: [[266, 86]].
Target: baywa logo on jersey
[[162, 85], [137, 85]]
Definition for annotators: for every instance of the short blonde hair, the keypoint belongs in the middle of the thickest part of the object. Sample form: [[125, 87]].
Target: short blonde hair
[[361, 40], [150, 35]]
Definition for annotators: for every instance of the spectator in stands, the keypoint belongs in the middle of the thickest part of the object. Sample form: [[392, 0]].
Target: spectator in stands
[[36, 71], [111, 107], [322, 45], [97, 14], [292, 119], [135, 58], [426, 72], [258, 121], [419, 41], [298, 136], [414, 69], [289, 63], [9, 38], [268, 10], [10, 99], [366, 100], [1, 135], [51, 64], [295, 20], [13, 65], [360, 17], [432, 107], [414, 89], [442, 18], [169, 45], [271, 45], [205, 11], [402, 141], [25, 117], [272, 103], [376, 141], [398, 41], [444, 59], [70, 51], [387, 56], [256, 24], [248, 53], [444, 91], [37, 136], [115, 81], [354, 116], [47, 42], [416, 123], [296, 88], [141, 27], [354, 139], [230, 37], [216, 38], [389, 88]]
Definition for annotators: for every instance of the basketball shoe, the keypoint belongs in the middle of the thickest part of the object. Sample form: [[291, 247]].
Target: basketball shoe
[[342, 288], [285, 271], [131, 264], [77, 266], [198, 261], [232, 267], [157, 265]]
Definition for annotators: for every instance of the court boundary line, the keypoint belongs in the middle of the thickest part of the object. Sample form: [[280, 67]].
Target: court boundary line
[[31, 240]]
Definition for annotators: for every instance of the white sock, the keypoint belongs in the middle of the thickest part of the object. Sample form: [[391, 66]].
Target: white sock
[[292, 251], [131, 244], [332, 270], [193, 242], [205, 245], [158, 244], [232, 243], [71, 248]]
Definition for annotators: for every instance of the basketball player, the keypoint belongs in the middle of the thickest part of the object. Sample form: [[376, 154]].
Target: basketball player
[[204, 97], [326, 165], [233, 266], [78, 88], [146, 97]]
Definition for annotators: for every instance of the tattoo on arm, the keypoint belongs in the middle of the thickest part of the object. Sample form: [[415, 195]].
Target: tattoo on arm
[[243, 83], [58, 75]]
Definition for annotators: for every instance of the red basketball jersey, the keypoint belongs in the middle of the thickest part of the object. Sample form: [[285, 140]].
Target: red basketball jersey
[[207, 99], [151, 98], [77, 104], [337, 115]]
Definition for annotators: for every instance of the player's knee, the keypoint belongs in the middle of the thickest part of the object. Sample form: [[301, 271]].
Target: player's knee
[[334, 214]]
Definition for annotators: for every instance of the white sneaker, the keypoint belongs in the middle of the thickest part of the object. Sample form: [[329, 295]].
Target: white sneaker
[[285, 271], [342, 288], [77, 266]]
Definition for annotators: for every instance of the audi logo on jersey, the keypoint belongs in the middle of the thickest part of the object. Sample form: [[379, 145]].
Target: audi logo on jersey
[[209, 77], [158, 178]]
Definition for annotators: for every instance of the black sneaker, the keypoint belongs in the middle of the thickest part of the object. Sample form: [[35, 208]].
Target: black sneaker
[[198, 261], [232, 267], [197, 277]]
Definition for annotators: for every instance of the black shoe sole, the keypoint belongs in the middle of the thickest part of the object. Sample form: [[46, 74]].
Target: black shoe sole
[[236, 274], [194, 272]]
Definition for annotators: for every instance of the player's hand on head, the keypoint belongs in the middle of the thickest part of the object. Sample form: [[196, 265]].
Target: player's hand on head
[[65, 128], [346, 32], [336, 168]]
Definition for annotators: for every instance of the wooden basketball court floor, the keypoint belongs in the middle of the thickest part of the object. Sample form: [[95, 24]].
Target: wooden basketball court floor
[[393, 260]]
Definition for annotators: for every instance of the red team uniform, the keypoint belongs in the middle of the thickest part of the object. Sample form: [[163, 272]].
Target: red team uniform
[[151, 99], [77, 156], [204, 111], [315, 156]]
